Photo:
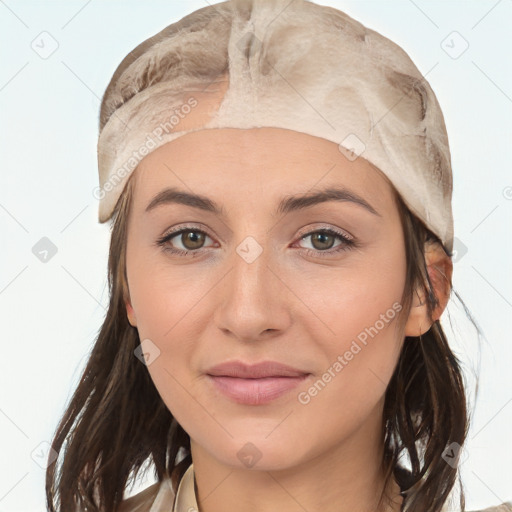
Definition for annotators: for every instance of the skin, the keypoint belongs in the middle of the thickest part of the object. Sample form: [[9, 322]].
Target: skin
[[299, 309]]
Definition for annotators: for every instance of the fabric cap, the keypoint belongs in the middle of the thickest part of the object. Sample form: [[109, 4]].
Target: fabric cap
[[292, 65]]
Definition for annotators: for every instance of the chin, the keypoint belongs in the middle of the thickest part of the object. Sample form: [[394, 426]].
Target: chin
[[255, 453]]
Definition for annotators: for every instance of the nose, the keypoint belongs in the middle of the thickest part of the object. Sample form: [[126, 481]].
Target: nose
[[254, 299]]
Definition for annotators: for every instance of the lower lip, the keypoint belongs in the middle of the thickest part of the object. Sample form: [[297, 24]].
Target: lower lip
[[255, 391]]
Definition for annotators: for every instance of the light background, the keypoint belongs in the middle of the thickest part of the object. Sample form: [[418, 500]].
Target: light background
[[51, 311]]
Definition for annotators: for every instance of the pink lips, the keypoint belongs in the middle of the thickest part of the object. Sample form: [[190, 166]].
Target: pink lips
[[255, 384]]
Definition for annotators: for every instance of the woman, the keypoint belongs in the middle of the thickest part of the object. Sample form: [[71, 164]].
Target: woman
[[279, 183]]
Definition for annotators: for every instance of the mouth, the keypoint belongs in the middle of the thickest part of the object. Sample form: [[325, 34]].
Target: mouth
[[254, 391], [255, 384], [255, 371]]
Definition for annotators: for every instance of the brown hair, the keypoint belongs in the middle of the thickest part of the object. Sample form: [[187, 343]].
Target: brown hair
[[116, 420], [425, 407]]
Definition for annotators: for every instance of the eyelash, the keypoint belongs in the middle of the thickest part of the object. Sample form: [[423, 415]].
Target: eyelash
[[347, 243]]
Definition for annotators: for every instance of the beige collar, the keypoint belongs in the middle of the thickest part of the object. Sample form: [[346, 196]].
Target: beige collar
[[185, 496]]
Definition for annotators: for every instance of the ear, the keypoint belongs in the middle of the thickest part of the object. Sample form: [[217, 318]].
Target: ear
[[130, 313], [440, 269]]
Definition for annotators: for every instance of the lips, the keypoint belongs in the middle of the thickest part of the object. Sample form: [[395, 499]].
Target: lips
[[255, 371], [255, 384]]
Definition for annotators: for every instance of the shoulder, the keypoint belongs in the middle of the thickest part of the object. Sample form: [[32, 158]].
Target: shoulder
[[149, 499]]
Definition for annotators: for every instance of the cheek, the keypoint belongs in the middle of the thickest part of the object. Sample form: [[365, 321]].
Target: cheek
[[361, 359], [359, 309], [163, 296], [167, 305], [165, 319], [351, 301], [166, 316]]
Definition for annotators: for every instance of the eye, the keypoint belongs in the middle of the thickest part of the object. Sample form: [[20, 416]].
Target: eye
[[190, 239], [323, 240]]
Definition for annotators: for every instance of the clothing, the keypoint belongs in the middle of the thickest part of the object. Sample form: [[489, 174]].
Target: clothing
[[160, 496], [291, 65]]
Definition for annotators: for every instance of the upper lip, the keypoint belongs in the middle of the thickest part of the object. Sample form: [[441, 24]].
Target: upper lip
[[255, 371]]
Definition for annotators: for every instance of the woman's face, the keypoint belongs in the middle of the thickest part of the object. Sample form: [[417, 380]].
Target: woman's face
[[262, 283]]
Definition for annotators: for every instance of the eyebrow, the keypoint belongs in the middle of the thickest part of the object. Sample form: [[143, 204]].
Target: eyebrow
[[286, 205]]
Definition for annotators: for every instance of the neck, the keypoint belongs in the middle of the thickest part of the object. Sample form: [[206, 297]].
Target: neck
[[344, 478]]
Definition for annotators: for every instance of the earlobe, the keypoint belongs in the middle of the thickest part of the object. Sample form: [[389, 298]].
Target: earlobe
[[418, 322], [130, 314], [440, 268]]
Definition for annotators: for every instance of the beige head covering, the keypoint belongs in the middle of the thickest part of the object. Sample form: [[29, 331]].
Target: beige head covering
[[293, 65]]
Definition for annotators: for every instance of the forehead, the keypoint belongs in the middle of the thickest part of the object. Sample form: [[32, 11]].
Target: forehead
[[229, 162]]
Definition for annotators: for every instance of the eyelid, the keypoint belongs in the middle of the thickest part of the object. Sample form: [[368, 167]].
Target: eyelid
[[324, 227], [302, 232], [187, 226]]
